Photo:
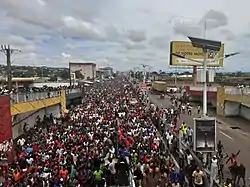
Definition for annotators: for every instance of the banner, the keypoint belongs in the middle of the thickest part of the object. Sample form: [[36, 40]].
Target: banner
[[187, 50], [204, 134], [6, 142]]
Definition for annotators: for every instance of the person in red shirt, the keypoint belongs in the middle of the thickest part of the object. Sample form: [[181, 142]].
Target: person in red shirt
[[233, 159], [154, 146]]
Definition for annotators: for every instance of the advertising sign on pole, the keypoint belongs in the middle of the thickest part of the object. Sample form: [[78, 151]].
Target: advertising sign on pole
[[205, 135], [211, 75], [200, 76], [186, 49]]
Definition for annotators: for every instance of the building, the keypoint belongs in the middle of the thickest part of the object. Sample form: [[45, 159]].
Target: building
[[105, 72], [83, 71]]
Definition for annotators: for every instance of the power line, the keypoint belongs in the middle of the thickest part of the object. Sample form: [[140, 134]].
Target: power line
[[8, 51]]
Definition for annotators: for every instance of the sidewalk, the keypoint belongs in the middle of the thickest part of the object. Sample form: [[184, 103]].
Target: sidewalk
[[166, 104]]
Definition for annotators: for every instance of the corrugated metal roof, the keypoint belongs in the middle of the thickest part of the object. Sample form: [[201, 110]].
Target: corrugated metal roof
[[21, 79], [82, 63]]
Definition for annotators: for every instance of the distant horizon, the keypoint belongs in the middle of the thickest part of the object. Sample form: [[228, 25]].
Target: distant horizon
[[174, 69]]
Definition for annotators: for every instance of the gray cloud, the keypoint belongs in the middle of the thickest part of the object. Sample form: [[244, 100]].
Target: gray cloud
[[30, 12], [185, 27], [80, 28], [227, 34], [115, 30], [121, 35], [189, 27], [161, 42], [136, 35], [134, 46], [214, 19]]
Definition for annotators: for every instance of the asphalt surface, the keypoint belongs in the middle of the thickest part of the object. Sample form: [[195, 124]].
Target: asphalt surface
[[233, 140]]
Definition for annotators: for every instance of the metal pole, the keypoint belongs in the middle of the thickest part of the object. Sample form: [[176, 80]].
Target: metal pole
[[180, 143], [175, 79], [144, 76], [9, 73], [205, 82]]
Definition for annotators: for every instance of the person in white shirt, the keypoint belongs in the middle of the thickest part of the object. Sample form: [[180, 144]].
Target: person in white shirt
[[172, 111], [30, 160], [21, 142], [189, 158], [183, 107], [112, 167], [112, 151], [176, 184], [214, 168], [170, 137], [190, 135]]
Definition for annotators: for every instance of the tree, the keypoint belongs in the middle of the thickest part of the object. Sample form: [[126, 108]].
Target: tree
[[79, 75], [154, 73], [53, 78], [64, 74]]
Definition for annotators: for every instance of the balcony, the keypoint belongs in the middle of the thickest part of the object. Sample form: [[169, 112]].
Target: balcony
[[35, 96], [237, 91], [200, 88], [26, 102], [73, 91]]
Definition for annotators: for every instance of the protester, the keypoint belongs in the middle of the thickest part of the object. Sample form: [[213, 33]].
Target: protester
[[198, 177], [241, 174], [113, 132]]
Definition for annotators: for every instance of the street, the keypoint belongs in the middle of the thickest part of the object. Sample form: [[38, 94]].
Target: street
[[232, 140]]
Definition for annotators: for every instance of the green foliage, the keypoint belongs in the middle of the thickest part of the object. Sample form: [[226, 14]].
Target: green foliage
[[79, 75], [53, 78]]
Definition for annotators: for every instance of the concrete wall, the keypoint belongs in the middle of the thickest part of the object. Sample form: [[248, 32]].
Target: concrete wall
[[86, 70], [200, 99], [224, 95], [232, 108], [30, 118], [245, 112]]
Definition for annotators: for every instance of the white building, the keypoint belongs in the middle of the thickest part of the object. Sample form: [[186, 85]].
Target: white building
[[83, 70], [105, 72]]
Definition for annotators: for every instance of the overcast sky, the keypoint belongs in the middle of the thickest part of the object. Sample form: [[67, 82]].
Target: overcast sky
[[121, 33]]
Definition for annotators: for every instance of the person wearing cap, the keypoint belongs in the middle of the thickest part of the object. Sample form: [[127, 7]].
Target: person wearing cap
[[214, 169]]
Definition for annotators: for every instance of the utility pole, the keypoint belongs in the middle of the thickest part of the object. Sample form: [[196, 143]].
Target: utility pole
[[8, 51]]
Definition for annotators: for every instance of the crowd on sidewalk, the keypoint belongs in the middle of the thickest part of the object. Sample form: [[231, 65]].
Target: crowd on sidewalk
[[110, 139], [216, 165], [32, 89]]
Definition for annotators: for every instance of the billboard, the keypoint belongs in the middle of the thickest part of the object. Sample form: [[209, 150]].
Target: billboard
[[204, 134], [186, 49]]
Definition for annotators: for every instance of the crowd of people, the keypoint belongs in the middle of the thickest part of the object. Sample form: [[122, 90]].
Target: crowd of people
[[219, 159], [111, 139], [116, 137]]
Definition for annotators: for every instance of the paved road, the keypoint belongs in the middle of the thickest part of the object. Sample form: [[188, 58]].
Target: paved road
[[233, 140]]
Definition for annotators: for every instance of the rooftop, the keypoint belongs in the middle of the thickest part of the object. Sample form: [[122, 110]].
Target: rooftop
[[82, 63], [21, 79]]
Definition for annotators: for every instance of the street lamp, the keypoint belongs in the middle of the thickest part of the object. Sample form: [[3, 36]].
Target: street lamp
[[206, 45], [144, 72]]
